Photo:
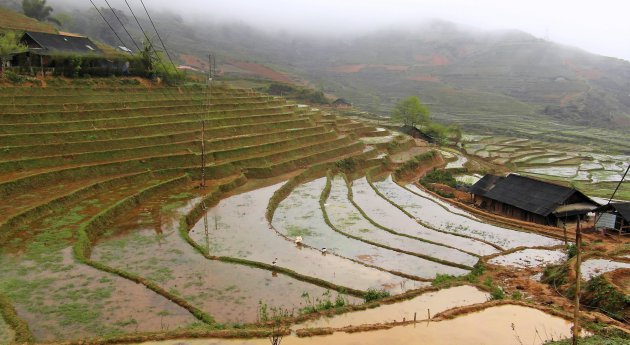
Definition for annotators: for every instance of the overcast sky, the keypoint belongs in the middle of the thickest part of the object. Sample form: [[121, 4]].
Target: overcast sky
[[599, 26]]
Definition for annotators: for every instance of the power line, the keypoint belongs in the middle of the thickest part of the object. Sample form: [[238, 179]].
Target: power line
[[108, 24], [123, 26]]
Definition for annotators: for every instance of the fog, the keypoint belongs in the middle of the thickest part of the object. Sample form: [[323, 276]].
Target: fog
[[597, 26]]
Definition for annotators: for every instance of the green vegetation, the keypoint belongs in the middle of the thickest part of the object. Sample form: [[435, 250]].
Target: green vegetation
[[411, 112], [374, 295], [601, 294], [439, 176], [9, 46]]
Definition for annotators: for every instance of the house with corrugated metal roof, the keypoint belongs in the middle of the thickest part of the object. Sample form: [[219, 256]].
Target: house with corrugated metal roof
[[530, 199]]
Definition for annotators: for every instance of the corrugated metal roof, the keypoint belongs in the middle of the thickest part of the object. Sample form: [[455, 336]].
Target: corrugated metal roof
[[60, 44]]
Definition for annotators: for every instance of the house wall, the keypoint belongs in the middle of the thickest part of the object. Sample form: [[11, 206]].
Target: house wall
[[511, 211]]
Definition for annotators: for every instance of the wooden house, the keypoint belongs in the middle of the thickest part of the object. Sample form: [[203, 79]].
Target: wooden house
[[614, 216], [531, 200]]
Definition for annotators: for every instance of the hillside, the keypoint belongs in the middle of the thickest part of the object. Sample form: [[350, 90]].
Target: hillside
[[458, 72]]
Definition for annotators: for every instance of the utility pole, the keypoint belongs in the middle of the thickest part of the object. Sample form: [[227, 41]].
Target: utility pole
[[578, 277], [203, 154], [203, 121]]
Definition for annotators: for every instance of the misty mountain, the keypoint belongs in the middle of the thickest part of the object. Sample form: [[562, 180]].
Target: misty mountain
[[455, 70]]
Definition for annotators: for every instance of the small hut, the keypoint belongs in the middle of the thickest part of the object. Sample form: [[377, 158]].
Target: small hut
[[531, 200], [614, 216], [341, 103]]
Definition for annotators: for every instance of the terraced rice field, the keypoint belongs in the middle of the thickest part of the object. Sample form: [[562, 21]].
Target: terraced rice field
[[106, 231], [596, 173]]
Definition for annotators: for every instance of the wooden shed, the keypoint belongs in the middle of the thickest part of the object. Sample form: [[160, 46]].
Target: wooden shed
[[614, 216], [531, 200]]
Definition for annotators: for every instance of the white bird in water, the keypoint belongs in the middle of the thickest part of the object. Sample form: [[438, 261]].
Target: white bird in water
[[324, 250], [298, 240], [274, 261]]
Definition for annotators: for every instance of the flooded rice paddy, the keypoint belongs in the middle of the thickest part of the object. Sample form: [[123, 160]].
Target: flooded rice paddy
[[63, 299], [436, 216], [300, 215], [502, 325], [156, 251], [387, 215], [238, 228], [594, 267], [423, 305], [530, 258], [347, 218]]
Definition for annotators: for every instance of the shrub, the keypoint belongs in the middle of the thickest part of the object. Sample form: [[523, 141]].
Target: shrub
[[443, 279], [439, 176], [14, 77], [497, 293], [373, 294]]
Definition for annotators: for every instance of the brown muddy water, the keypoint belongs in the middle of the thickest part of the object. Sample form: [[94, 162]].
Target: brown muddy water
[[502, 325], [423, 305], [228, 292], [238, 228]]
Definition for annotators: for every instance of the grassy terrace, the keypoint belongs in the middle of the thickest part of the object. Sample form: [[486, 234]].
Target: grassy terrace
[[74, 160]]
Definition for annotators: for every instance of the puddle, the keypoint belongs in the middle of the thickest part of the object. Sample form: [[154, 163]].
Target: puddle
[[502, 325], [438, 217], [300, 215], [238, 228], [435, 302], [530, 258], [594, 267], [459, 163], [450, 208], [389, 216], [346, 217], [179, 269]]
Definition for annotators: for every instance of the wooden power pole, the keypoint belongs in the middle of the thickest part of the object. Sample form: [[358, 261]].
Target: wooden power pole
[[578, 278]]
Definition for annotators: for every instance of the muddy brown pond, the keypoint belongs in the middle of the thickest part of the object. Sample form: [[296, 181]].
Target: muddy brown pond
[[511, 324]]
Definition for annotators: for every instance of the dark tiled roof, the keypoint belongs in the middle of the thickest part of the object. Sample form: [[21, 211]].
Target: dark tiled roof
[[623, 208], [531, 195], [60, 44], [485, 184]]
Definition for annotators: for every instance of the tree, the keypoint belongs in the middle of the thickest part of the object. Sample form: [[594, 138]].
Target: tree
[[9, 46], [39, 10], [411, 112]]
